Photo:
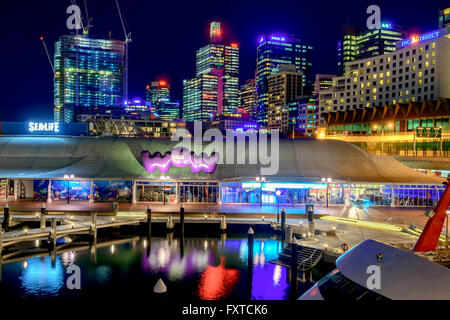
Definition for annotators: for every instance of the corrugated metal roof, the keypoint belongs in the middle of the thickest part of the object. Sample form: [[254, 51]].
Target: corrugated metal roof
[[120, 158]]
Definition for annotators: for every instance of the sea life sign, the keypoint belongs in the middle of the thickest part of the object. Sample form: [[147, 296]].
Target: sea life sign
[[180, 157]]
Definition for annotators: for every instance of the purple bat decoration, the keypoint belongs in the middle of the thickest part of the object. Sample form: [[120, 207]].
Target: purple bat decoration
[[180, 157]]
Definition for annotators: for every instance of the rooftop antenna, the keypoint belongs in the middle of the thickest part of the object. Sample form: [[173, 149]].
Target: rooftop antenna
[[88, 20], [48, 54], [127, 40]]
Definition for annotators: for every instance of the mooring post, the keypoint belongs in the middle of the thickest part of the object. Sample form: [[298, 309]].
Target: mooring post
[[223, 224], [7, 217], [223, 237], [93, 231], [182, 222], [169, 223], [294, 266], [149, 221], [283, 223], [52, 238], [43, 216]]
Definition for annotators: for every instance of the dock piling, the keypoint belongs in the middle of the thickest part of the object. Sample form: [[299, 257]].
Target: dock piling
[[283, 223], [182, 222], [93, 230], [250, 262], [223, 223], [169, 223], [43, 224], [7, 218], [52, 238], [149, 221], [294, 266]]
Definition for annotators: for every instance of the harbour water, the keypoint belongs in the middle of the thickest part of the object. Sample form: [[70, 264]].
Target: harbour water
[[204, 268]]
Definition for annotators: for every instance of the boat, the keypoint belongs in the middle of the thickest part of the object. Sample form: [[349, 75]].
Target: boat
[[403, 275]]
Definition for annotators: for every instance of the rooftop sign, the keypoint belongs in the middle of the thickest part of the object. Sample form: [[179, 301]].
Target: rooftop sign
[[420, 38]]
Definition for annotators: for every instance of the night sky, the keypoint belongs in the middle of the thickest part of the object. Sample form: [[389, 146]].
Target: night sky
[[167, 33]]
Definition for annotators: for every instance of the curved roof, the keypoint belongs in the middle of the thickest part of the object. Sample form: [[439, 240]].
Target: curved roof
[[120, 158]]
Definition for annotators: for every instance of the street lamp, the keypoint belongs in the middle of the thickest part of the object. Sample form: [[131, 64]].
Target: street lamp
[[164, 179], [68, 178], [278, 192], [328, 181], [260, 180]]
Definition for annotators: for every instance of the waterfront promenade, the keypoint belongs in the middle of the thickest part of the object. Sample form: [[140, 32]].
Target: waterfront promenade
[[399, 215]]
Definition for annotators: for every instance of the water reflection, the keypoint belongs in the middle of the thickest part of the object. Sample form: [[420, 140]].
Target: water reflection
[[211, 268], [39, 278]]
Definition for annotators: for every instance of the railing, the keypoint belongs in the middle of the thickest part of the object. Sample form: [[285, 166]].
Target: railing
[[303, 263]]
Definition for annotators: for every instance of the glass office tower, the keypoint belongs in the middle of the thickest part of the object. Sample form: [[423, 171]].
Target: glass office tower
[[200, 98], [89, 76], [274, 50]]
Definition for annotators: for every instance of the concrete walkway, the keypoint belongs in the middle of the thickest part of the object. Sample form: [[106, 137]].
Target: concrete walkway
[[398, 216]]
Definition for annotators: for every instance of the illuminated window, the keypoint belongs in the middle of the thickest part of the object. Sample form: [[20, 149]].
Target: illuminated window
[[433, 45], [420, 73], [388, 73], [374, 90], [368, 63]]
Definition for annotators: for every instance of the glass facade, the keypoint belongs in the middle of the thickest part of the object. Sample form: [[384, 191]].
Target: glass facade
[[200, 98], [274, 50], [89, 76], [289, 193]]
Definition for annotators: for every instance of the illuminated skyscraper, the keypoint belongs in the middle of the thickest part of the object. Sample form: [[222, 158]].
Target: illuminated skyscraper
[[285, 88], [274, 50], [247, 96], [367, 44], [89, 76], [444, 17], [223, 62], [200, 98], [157, 91], [158, 99]]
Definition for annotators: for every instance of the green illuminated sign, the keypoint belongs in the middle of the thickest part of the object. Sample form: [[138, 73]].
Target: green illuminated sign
[[428, 132]]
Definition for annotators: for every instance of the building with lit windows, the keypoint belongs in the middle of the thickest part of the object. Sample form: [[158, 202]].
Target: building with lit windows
[[284, 88], [444, 17], [200, 98], [89, 76], [222, 61], [274, 50], [159, 101], [366, 44], [307, 117], [157, 91], [247, 96], [416, 71]]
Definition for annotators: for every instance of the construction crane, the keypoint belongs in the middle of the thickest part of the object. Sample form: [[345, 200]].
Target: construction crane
[[48, 54], [127, 40]]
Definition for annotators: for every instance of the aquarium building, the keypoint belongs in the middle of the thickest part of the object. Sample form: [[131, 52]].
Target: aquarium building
[[113, 169]]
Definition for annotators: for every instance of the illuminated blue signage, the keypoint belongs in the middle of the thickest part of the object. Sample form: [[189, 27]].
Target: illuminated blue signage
[[288, 185], [386, 25], [420, 38], [278, 38], [43, 126]]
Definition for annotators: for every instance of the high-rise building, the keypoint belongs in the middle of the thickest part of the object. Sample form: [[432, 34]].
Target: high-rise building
[[346, 48], [274, 50], [200, 98], [223, 61], [367, 44], [89, 77], [444, 17], [307, 117], [416, 71], [324, 83], [159, 101], [157, 91], [247, 96], [284, 87]]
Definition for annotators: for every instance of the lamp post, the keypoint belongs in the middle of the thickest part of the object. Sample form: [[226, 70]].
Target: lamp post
[[68, 178], [328, 181], [164, 178], [260, 180], [278, 192]]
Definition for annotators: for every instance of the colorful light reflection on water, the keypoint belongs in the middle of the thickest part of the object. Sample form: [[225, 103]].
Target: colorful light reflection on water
[[210, 269]]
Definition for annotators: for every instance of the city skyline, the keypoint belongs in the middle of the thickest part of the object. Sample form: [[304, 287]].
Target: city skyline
[[175, 62]]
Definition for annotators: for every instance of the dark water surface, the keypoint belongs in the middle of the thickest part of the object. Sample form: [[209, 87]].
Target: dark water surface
[[202, 269]]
